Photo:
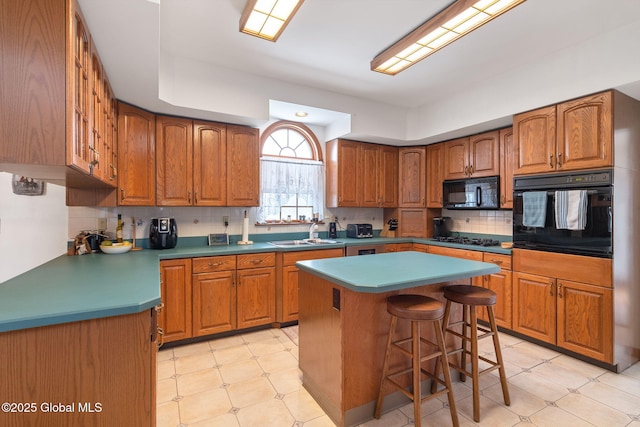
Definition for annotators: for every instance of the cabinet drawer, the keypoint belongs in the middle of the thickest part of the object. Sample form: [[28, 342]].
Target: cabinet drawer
[[591, 270], [214, 263], [290, 258], [456, 253], [502, 261], [257, 260]]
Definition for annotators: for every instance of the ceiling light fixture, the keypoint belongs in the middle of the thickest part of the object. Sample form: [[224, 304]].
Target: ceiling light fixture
[[267, 18], [301, 114], [460, 18]]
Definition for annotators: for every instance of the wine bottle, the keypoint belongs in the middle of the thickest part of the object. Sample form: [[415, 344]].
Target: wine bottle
[[119, 229]]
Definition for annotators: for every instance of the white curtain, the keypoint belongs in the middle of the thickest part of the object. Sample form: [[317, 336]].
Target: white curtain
[[286, 183]]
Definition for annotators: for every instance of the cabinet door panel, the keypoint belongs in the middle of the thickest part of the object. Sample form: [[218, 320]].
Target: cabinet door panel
[[534, 147], [209, 164], [256, 292], [534, 313], [136, 156], [243, 166], [435, 175], [484, 154], [370, 170], [175, 290], [412, 223], [290, 293], [174, 166], [412, 165], [214, 303], [456, 163], [500, 283], [585, 133], [506, 168], [585, 319], [388, 177], [349, 174]]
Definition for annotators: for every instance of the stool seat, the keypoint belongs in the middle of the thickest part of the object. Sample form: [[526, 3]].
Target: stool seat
[[415, 307], [470, 295]]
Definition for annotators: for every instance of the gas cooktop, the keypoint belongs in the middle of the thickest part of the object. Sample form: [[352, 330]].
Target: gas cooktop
[[468, 241]]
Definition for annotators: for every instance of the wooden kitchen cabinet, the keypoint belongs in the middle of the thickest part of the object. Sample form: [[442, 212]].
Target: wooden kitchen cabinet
[[569, 136], [136, 156], [473, 157], [412, 177], [574, 314], [256, 290], [459, 253], [344, 176], [209, 164], [174, 161], [398, 247], [585, 133], [501, 284], [435, 174], [243, 166], [379, 175], [361, 174], [175, 290], [507, 162], [110, 361], [287, 279], [412, 222], [52, 90]]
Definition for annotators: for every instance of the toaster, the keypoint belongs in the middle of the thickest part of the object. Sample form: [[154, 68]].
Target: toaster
[[359, 231]]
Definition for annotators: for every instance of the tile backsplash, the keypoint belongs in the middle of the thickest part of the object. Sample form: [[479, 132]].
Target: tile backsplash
[[201, 221], [483, 222]]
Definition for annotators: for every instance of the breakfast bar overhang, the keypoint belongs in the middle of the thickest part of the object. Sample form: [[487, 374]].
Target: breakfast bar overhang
[[343, 322]]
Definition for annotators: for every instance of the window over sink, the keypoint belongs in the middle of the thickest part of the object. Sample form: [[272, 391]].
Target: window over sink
[[291, 174]]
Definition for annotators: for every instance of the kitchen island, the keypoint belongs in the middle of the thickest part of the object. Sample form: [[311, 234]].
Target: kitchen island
[[344, 322]]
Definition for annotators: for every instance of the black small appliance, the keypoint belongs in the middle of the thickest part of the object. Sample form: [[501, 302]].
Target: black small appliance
[[163, 233], [333, 231], [441, 226], [471, 193], [359, 231]]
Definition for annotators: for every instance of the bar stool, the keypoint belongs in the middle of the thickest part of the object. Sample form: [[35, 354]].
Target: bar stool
[[416, 308], [472, 297]]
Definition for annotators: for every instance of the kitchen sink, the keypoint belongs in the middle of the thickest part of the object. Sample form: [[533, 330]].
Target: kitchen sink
[[304, 242]]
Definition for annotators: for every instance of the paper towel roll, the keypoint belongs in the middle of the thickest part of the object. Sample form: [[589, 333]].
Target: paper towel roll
[[245, 230]]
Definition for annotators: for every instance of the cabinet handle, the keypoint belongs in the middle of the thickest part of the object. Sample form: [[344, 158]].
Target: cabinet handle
[[559, 290], [188, 196], [550, 288], [551, 160], [497, 261], [160, 338], [470, 170], [502, 199], [114, 172], [122, 194], [466, 170], [559, 159], [195, 197], [215, 264], [256, 261]]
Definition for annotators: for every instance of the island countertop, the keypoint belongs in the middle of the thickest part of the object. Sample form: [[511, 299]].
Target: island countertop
[[394, 271]]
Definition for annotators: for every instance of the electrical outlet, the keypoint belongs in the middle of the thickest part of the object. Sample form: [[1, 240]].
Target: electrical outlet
[[225, 221], [102, 224]]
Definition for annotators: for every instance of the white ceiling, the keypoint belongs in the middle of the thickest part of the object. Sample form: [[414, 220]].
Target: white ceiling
[[187, 57]]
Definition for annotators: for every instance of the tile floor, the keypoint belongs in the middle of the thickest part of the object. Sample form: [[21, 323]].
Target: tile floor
[[252, 380]]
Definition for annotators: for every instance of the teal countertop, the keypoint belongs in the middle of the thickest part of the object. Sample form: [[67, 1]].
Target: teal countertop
[[394, 271], [74, 288]]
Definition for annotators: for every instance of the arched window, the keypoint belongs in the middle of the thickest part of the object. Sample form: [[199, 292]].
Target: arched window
[[291, 175]]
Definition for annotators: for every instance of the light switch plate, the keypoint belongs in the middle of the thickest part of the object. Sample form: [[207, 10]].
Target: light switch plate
[[102, 224]]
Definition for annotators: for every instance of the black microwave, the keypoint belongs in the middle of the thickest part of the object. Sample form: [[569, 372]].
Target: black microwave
[[471, 193]]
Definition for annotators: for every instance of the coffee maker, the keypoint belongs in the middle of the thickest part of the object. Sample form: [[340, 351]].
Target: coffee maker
[[441, 227], [163, 233]]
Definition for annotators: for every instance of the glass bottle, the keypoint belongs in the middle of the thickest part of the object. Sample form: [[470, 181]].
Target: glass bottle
[[119, 229]]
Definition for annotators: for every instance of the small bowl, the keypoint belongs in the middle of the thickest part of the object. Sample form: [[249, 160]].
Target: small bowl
[[116, 248]]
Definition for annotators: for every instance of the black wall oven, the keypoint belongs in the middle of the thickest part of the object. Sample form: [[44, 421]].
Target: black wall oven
[[539, 218]]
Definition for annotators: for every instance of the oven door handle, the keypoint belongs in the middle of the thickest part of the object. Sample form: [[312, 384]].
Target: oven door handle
[[478, 196]]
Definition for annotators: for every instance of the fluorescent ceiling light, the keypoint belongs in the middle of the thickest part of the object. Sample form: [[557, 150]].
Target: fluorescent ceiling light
[[267, 18], [460, 18]]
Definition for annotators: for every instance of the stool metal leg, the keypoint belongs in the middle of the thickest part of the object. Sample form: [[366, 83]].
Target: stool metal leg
[[385, 365]]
